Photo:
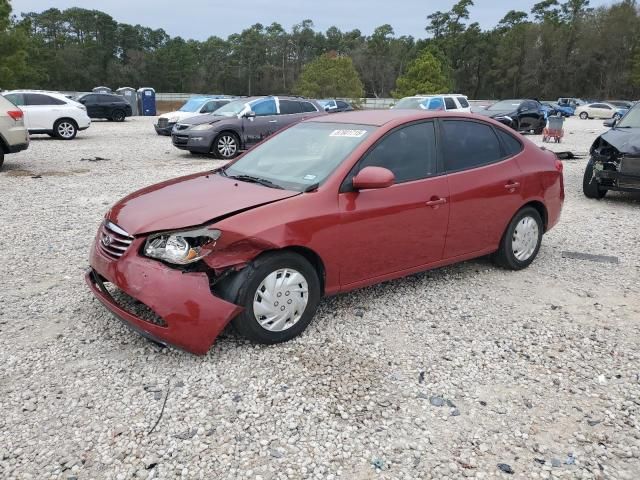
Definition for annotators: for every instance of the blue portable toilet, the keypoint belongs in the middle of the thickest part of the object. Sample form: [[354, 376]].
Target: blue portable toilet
[[147, 101]]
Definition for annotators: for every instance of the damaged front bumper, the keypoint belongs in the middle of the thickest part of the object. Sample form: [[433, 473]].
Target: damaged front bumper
[[620, 173], [190, 317]]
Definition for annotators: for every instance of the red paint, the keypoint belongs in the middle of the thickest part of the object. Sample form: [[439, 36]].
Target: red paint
[[361, 237]]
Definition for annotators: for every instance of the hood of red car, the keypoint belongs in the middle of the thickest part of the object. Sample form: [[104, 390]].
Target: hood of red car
[[190, 201]]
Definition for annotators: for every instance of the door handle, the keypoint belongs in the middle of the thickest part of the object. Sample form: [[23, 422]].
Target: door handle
[[511, 186], [273, 121], [435, 201]]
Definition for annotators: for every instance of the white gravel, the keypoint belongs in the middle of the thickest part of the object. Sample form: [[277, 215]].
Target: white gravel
[[538, 370]]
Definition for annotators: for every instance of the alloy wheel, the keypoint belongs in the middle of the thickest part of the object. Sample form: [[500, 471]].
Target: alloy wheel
[[525, 238], [66, 129], [281, 300], [227, 146]]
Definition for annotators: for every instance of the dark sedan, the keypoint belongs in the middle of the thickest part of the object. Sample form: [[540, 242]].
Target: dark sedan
[[241, 124], [522, 115], [106, 105]]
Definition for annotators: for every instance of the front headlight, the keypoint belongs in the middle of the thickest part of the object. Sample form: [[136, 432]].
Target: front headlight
[[204, 126], [181, 248]]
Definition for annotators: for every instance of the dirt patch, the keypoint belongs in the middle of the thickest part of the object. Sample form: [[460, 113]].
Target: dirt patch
[[51, 173]]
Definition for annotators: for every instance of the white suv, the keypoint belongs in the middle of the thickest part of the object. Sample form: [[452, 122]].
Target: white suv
[[50, 112], [446, 101]]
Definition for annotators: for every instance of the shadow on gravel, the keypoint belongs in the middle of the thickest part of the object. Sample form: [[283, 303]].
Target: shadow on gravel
[[19, 172]]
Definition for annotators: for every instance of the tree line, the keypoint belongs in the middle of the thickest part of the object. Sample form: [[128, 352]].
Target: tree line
[[559, 48]]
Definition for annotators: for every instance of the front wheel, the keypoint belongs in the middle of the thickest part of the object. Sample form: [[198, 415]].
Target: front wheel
[[280, 292], [65, 129], [226, 146], [521, 241], [584, 115], [590, 186]]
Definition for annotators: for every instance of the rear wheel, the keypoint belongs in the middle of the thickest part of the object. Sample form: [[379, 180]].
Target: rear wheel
[[65, 129], [521, 241], [226, 146], [280, 292], [590, 186], [584, 115], [118, 116]]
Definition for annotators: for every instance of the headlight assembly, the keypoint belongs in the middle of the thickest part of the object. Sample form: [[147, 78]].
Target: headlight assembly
[[181, 248], [204, 126]]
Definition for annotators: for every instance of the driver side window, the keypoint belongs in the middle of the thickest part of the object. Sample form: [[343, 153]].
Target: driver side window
[[409, 152], [264, 107]]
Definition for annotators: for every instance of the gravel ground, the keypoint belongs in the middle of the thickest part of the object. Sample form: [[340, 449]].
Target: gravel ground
[[465, 371]]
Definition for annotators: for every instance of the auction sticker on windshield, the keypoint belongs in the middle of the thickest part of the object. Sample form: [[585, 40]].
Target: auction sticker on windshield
[[348, 133]]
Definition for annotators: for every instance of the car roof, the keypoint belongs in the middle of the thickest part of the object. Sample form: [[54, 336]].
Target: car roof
[[379, 118]]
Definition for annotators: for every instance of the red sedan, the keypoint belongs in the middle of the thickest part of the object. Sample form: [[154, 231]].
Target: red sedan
[[329, 205]]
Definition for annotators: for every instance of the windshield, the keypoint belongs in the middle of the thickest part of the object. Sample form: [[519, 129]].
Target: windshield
[[510, 105], [192, 105], [631, 119], [232, 109], [410, 103], [301, 156]]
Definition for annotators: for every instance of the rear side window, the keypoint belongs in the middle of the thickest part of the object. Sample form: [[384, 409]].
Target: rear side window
[[510, 144], [463, 102], [468, 144], [450, 103], [16, 98], [409, 152], [209, 107], [108, 98], [342, 104], [40, 99], [288, 107], [308, 107]]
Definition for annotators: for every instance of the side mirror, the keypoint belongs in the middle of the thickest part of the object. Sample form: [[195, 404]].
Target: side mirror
[[610, 123], [249, 114], [372, 178]]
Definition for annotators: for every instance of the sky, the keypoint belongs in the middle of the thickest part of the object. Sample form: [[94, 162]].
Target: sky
[[200, 19]]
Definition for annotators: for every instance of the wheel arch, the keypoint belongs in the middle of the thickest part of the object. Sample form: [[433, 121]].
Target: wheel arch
[[71, 119], [541, 209]]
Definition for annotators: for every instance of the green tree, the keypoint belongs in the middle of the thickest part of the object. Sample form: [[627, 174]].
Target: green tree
[[424, 75], [15, 44], [330, 77]]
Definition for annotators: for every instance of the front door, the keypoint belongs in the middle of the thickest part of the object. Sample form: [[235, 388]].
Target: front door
[[400, 227], [255, 129], [485, 185]]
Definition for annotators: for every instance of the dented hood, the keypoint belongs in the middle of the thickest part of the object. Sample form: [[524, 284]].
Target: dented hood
[[189, 201], [625, 140]]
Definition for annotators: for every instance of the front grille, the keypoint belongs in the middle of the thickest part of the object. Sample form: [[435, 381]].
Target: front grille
[[113, 240], [162, 122], [133, 306], [180, 139], [630, 166]]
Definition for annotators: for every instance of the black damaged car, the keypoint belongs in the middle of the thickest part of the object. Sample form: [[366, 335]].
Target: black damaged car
[[522, 115], [615, 158]]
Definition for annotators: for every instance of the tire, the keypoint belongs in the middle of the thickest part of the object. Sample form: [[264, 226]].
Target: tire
[[538, 131], [249, 289], [590, 186], [584, 115], [616, 116], [226, 146], [521, 241], [65, 129], [118, 116]]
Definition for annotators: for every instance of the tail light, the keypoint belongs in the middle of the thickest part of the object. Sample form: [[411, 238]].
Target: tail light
[[16, 114]]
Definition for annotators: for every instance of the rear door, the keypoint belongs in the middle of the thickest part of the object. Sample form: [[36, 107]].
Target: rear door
[[94, 109], [43, 110], [401, 227], [530, 115], [485, 185]]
